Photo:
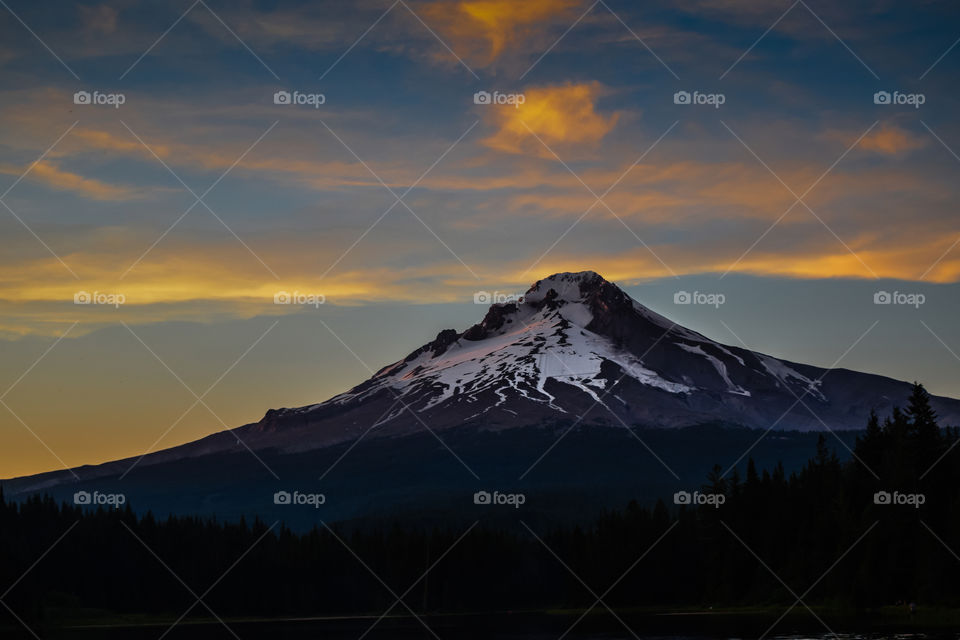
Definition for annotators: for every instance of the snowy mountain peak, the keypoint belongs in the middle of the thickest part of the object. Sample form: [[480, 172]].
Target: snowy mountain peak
[[576, 347], [580, 300], [569, 287], [575, 351], [586, 287], [570, 339]]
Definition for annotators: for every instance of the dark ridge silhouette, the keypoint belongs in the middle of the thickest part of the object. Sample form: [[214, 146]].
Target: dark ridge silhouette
[[885, 550]]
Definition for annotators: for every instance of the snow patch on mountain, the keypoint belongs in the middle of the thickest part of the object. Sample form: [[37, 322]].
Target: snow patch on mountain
[[783, 373], [718, 365], [573, 337], [532, 347]]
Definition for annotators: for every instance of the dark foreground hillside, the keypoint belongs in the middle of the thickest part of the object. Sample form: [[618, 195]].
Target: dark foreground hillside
[[881, 527]]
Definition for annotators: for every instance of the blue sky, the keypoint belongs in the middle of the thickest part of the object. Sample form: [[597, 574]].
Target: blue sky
[[798, 198]]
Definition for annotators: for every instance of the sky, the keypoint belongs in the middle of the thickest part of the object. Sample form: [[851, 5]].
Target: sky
[[213, 208]]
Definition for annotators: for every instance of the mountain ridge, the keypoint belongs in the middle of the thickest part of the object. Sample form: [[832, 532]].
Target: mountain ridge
[[574, 349], [570, 341]]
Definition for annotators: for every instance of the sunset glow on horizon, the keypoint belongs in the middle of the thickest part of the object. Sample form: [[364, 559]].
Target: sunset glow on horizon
[[381, 163]]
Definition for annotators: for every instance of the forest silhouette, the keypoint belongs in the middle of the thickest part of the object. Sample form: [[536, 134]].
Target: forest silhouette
[[840, 529]]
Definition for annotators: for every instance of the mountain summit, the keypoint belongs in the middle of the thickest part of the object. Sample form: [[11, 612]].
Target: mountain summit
[[577, 348], [574, 351]]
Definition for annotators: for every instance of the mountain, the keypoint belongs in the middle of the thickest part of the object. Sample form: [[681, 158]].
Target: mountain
[[575, 351], [577, 347]]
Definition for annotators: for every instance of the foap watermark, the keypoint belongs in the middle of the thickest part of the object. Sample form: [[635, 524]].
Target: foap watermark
[[98, 98], [303, 299], [297, 498], [485, 297], [900, 298], [709, 99], [901, 499], [899, 98], [512, 99], [98, 297], [299, 98], [699, 499], [97, 499], [699, 297], [496, 498]]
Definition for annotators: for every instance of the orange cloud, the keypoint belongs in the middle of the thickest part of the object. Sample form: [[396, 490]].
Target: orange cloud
[[830, 260], [481, 30], [888, 138], [53, 176], [210, 278], [891, 139], [209, 281], [560, 115], [314, 173]]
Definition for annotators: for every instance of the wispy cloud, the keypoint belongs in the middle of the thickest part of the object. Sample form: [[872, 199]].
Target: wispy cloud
[[51, 175]]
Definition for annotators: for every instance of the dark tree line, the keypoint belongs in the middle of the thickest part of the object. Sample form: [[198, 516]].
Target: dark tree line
[[795, 526]]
